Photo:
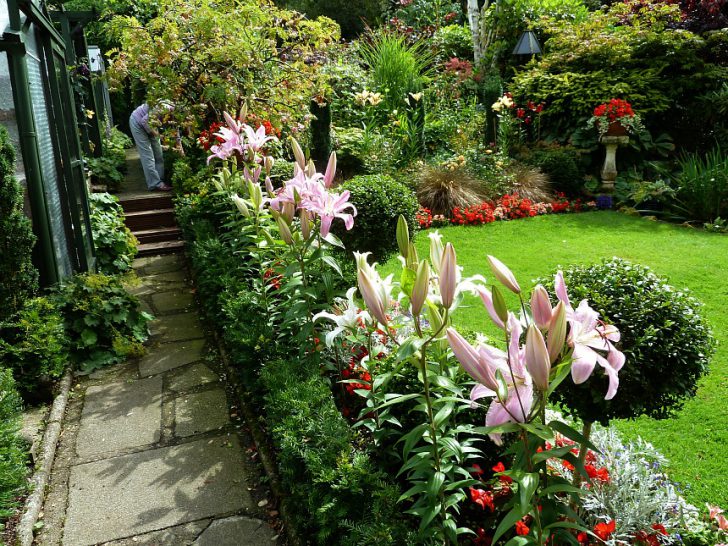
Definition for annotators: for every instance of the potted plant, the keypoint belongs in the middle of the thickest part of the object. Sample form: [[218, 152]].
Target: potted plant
[[615, 118]]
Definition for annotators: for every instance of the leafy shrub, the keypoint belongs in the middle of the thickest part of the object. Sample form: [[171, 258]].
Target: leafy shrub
[[33, 344], [115, 244], [282, 170], [349, 149], [379, 201], [702, 185], [105, 170], [334, 484], [187, 178], [561, 165], [665, 340], [441, 190], [18, 277], [453, 41], [103, 321], [351, 16], [661, 72], [12, 455]]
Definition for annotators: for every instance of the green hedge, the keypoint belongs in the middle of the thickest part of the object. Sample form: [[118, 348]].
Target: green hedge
[[336, 494], [13, 469]]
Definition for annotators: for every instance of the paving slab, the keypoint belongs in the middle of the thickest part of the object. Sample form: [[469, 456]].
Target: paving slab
[[179, 535], [155, 489], [237, 531], [119, 416], [193, 376], [171, 301], [177, 327], [175, 277], [200, 412], [163, 264], [169, 356]]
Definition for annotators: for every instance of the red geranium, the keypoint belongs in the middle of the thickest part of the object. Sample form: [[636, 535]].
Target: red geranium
[[605, 530]]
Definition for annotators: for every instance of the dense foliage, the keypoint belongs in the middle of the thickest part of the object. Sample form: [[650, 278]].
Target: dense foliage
[[664, 338], [379, 201], [33, 344], [103, 321], [18, 277], [662, 72], [115, 244], [207, 58], [12, 451]]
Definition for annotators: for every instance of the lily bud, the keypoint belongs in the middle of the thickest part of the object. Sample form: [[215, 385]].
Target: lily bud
[[284, 230], [330, 171], [298, 154], [310, 168], [306, 224], [373, 297], [537, 358], [288, 211], [487, 298], [412, 257], [504, 275], [435, 250], [421, 288], [557, 332], [403, 239], [268, 163], [499, 304], [243, 114], [448, 276], [256, 196], [240, 204], [269, 186], [231, 122], [541, 307], [435, 317]]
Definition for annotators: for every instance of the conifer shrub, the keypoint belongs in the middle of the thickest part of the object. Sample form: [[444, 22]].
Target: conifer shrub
[[18, 276]]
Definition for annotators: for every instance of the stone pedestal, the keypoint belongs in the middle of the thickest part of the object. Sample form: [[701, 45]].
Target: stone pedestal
[[609, 170]]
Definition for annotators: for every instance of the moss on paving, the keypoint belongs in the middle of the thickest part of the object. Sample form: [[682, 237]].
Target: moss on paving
[[695, 440]]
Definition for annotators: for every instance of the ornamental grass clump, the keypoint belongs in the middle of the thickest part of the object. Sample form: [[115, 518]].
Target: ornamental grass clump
[[441, 189], [664, 337]]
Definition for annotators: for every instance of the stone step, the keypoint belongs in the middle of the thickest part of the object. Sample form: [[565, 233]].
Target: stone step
[[164, 247], [135, 202], [158, 235], [150, 219]]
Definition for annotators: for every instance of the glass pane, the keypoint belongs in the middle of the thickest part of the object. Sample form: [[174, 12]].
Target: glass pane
[[47, 156], [7, 113]]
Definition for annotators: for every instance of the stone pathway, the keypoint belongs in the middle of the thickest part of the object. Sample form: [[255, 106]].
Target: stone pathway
[[149, 453]]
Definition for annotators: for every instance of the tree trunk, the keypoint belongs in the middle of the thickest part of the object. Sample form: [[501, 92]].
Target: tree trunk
[[474, 23]]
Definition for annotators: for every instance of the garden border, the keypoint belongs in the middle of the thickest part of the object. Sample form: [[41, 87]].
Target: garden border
[[267, 457], [39, 480]]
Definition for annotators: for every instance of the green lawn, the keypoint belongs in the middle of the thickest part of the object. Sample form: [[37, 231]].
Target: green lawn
[[696, 441]]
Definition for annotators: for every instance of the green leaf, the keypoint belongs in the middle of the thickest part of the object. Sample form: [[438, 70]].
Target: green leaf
[[561, 488], [572, 434], [331, 261], [409, 348], [516, 513], [556, 452], [88, 337], [443, 414], [537, 429], [407, 281], [527, 487], [412, 491], [434, 484], [518, 541]]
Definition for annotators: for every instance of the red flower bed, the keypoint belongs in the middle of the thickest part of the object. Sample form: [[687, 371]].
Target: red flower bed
[[508, 207]]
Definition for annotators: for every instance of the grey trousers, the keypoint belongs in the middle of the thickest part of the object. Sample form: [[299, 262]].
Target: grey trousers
[[150, 154]]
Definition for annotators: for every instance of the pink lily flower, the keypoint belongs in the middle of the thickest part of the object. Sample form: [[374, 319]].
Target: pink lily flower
[[256, 139], [487, 297], [330, 205], [589, 338], [483, 363]]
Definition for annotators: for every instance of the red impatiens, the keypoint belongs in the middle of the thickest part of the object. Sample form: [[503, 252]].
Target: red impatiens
[[605, 530], [482, 498], [508, 207], [521, 528]]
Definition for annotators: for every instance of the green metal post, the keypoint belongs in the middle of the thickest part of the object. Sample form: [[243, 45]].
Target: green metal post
[[31, 158]]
